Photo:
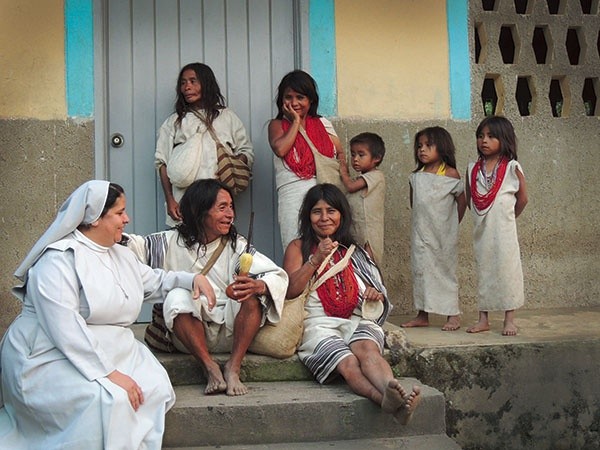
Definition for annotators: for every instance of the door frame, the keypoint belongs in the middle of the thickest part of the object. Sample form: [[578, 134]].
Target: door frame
[[101, 141]]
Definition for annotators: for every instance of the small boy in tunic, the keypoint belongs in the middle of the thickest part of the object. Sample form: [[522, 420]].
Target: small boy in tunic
[[366, 193]]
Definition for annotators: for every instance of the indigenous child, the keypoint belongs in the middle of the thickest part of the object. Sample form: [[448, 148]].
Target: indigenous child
[[438, 205], [366, 193], [497, 194]]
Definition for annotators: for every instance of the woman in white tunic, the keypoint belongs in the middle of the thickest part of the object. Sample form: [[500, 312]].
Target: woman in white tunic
[[295, 172], [73, 375], [337, 339], [199, 105], [497, 194], [438, 205]]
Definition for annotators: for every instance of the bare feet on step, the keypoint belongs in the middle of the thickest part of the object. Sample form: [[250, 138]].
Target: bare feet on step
[[479, 327], [452, 324], [510, 329], [216, 382], [234, 385], [422, 320], [411, 401], [393, 397]]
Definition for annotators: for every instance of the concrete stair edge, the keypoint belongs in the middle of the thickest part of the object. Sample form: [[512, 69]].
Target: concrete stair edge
[[300, 411], [423, 442]]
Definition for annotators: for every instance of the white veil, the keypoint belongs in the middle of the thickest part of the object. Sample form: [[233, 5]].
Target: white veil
[[83, 206]]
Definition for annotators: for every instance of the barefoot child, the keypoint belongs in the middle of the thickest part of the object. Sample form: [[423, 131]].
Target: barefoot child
[[438, 205], [497, 194], [366, 193]]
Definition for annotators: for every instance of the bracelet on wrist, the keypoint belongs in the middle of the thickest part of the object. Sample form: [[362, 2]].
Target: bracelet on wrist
[[310, 261]]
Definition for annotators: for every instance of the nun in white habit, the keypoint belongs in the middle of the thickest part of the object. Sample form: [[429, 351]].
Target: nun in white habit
[[72, 374]]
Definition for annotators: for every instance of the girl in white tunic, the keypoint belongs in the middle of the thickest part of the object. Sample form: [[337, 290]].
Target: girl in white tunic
[[497, 194], [199, 105], [295, 172], [438, 205], [338, 339], [73, 375]]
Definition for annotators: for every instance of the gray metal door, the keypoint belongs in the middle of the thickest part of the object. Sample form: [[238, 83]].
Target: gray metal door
[[249, 44]]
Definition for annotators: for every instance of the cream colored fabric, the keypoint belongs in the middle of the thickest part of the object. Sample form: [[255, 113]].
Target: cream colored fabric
[[496, 246], [229, 129], [290, 193], [175, 254], [368, 213], [73, 331], [434, 242]]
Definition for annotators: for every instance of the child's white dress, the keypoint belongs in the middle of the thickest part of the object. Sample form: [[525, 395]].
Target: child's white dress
[[367, 207], [496, 245], [434, 239]]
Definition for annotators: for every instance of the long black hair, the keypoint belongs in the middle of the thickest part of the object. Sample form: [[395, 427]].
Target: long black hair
[[197, 200], [302, 83], [502, 129], [337, 200], [443, 142], [211, 100]]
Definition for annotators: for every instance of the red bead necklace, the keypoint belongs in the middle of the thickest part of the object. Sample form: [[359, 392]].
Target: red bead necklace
[[483, 201], [339, 294]]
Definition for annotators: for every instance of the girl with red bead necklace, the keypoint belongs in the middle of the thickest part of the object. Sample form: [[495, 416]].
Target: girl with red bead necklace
[[338, 337], [497, 194]]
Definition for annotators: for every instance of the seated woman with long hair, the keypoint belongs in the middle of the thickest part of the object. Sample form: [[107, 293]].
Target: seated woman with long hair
[[337, 339]]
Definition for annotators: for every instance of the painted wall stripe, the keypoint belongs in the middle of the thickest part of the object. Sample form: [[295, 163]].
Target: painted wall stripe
[[322, 53], [460, 69], [79, 56]]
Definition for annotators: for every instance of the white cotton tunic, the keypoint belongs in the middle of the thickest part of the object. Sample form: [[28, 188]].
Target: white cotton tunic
[[368, 206], [291, 190], [229, 129], [164, 249], [434, 242], [73, 331], [496, 246], [326, 339]]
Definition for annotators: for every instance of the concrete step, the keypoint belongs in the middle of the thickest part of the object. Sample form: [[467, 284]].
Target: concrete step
[[184, 369], [288, 412], [426, 442]]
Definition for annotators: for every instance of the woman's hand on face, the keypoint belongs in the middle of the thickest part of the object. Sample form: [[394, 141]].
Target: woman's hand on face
[[244, 287], [372, 295], [290, 113], [134, 392], [201, 285]]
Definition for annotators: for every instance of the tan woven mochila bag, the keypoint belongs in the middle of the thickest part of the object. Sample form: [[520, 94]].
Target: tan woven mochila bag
[[232, 171]]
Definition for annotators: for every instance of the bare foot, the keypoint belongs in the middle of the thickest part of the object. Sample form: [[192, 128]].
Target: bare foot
[[452, 324], [393, 397], [422, 320], [234, 385], [510, 329], [216, 382], [479, 327], [411, 401]]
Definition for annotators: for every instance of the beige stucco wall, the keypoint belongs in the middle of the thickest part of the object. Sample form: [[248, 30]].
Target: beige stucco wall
[[392, 59], [32, 59], [43, 154]]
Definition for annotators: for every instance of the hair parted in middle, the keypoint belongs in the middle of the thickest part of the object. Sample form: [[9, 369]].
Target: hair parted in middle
[[197, 200], [337, 200], [304, 84], [443, 142], [211, 101]]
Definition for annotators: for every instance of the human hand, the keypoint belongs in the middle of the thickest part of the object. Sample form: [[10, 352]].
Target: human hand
[[344, 167], [173, 210], [244, 287], [325, 247], [134, 392], [201, 285], [290, 113], [372, 295]]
